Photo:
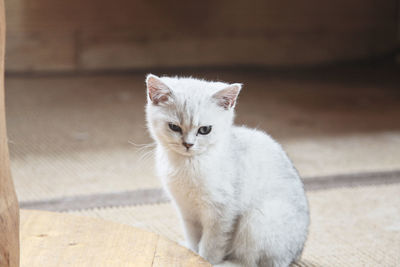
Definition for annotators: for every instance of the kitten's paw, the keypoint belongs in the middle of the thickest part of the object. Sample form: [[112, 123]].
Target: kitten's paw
[[228, 264], [183, 243], [186, 244]]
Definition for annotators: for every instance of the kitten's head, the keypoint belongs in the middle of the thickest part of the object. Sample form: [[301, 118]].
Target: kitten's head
[[189, 116]]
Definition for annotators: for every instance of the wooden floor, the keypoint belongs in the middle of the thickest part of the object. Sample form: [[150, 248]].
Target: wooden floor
[[55, 239]]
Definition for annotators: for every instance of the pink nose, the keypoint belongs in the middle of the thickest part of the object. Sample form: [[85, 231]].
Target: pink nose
[[187, 145]]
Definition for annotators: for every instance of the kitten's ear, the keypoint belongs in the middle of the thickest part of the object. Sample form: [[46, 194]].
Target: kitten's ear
[[157, 91], [227, 97]]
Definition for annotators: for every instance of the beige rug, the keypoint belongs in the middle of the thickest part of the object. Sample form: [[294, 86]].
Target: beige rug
[[349, 226], [73, 135]]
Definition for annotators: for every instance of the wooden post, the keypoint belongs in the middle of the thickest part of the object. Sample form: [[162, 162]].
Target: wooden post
[[9, 211]]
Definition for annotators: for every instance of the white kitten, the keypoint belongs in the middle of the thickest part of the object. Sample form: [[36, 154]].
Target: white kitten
[[240, 199]]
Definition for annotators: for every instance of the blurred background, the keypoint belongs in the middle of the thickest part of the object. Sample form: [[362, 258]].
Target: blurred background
[[322, 77], [76, 36]]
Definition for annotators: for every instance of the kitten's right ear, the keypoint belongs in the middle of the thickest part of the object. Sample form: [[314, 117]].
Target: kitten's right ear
[[157, 91], [226, 98]]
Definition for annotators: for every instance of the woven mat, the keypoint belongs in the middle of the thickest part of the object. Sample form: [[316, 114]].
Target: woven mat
[[76, 135]]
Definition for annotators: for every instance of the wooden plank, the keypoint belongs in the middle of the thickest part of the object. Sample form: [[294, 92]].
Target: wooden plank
[[124, 51], [29, 51], [56, 239], [398, 32], [9, 212], [205, 17], [140, 34]]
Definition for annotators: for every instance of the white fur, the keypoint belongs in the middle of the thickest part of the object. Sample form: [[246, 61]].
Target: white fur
[[238, 195]]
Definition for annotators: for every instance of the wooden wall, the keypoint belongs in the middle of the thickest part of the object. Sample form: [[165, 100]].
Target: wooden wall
[[9, 211], [74, 35]]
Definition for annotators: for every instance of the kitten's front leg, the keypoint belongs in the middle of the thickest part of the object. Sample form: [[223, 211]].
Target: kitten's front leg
[[192, 234], [214, 241]]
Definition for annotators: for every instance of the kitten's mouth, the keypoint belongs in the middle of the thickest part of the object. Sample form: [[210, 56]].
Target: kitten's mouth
[[185, 152], [182, 150], [188, 152]]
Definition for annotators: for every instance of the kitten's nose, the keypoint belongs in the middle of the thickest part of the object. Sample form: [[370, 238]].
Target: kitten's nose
[[187, 145]]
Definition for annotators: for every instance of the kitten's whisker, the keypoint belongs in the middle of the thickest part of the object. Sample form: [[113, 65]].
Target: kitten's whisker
[[145, 152], [142, 145], [146, 156]]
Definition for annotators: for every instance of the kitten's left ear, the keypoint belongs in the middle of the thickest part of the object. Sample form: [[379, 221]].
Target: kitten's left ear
[[227, 97], [157, 90]]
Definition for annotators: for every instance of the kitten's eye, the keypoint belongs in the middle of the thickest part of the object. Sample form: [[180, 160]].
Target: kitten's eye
[[205, 130], [174, 127]]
